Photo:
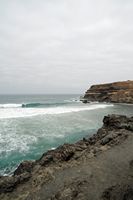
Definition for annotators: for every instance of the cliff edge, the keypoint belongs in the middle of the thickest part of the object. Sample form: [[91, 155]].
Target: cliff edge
[[98, 168], [118, 92]]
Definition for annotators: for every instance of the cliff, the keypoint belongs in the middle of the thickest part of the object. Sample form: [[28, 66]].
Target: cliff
[[118, 92], [99, 168]]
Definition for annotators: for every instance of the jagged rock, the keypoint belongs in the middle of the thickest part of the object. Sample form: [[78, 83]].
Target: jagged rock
[[118, 192], [62, 153], [118, 92], [25, 166], [8, 184], [107, 139], [85, 101], [118, 122]]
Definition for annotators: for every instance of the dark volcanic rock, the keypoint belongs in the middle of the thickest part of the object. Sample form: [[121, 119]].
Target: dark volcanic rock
[[118, 192], [118, 122], [62, 153], [118, 92], [107, 139], [25, 166], [8, 184]]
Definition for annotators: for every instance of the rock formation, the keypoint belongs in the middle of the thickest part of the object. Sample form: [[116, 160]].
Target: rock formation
[[97, 168], [118, 92]]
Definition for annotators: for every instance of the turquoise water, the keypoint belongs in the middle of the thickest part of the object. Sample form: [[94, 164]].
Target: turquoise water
[[33, 124]]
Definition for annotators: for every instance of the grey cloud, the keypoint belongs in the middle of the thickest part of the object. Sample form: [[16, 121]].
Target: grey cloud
[[63, 46]]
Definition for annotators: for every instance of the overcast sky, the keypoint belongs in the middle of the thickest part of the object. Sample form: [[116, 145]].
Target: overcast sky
[[64, 46]]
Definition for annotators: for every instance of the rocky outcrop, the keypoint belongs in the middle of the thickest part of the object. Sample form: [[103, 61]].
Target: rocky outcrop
[[119, 192], [68, 171], [8, 184], [118, 92]]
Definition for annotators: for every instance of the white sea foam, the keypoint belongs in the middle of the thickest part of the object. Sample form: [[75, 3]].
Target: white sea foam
[[30, 112], [7, 105], [53, 148], [76, 100], [14, 142]]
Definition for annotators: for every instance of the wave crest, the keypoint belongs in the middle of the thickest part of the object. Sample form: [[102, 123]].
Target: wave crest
[[30, 105], [10, 105], [20, 112]]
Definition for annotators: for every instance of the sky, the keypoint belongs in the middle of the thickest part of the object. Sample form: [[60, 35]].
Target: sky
[[64, 46]]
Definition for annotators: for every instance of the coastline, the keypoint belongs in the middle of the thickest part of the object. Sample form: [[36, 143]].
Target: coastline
[[64, 173], [117, 92]]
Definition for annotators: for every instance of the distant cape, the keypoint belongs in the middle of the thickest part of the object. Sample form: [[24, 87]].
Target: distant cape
[[117, 92]]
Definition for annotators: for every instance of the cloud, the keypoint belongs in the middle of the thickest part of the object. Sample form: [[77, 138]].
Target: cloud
[[59, 46]]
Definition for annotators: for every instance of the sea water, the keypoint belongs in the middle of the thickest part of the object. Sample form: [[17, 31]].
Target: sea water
[[32, 124]]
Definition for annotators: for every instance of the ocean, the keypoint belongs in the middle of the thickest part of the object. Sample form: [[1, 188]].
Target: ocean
[[32, 124]]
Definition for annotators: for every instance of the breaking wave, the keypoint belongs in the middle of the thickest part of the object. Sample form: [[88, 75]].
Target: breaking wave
[[17, 112], [30, 105]]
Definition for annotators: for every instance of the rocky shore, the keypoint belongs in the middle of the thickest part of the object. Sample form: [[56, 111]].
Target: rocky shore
[[98, 168], [118, 92]]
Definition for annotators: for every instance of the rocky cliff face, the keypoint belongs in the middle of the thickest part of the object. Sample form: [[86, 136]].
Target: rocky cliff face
[[118, 92]]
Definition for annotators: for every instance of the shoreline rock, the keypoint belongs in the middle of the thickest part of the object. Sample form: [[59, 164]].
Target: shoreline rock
[[31, 176], [117, 92]]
